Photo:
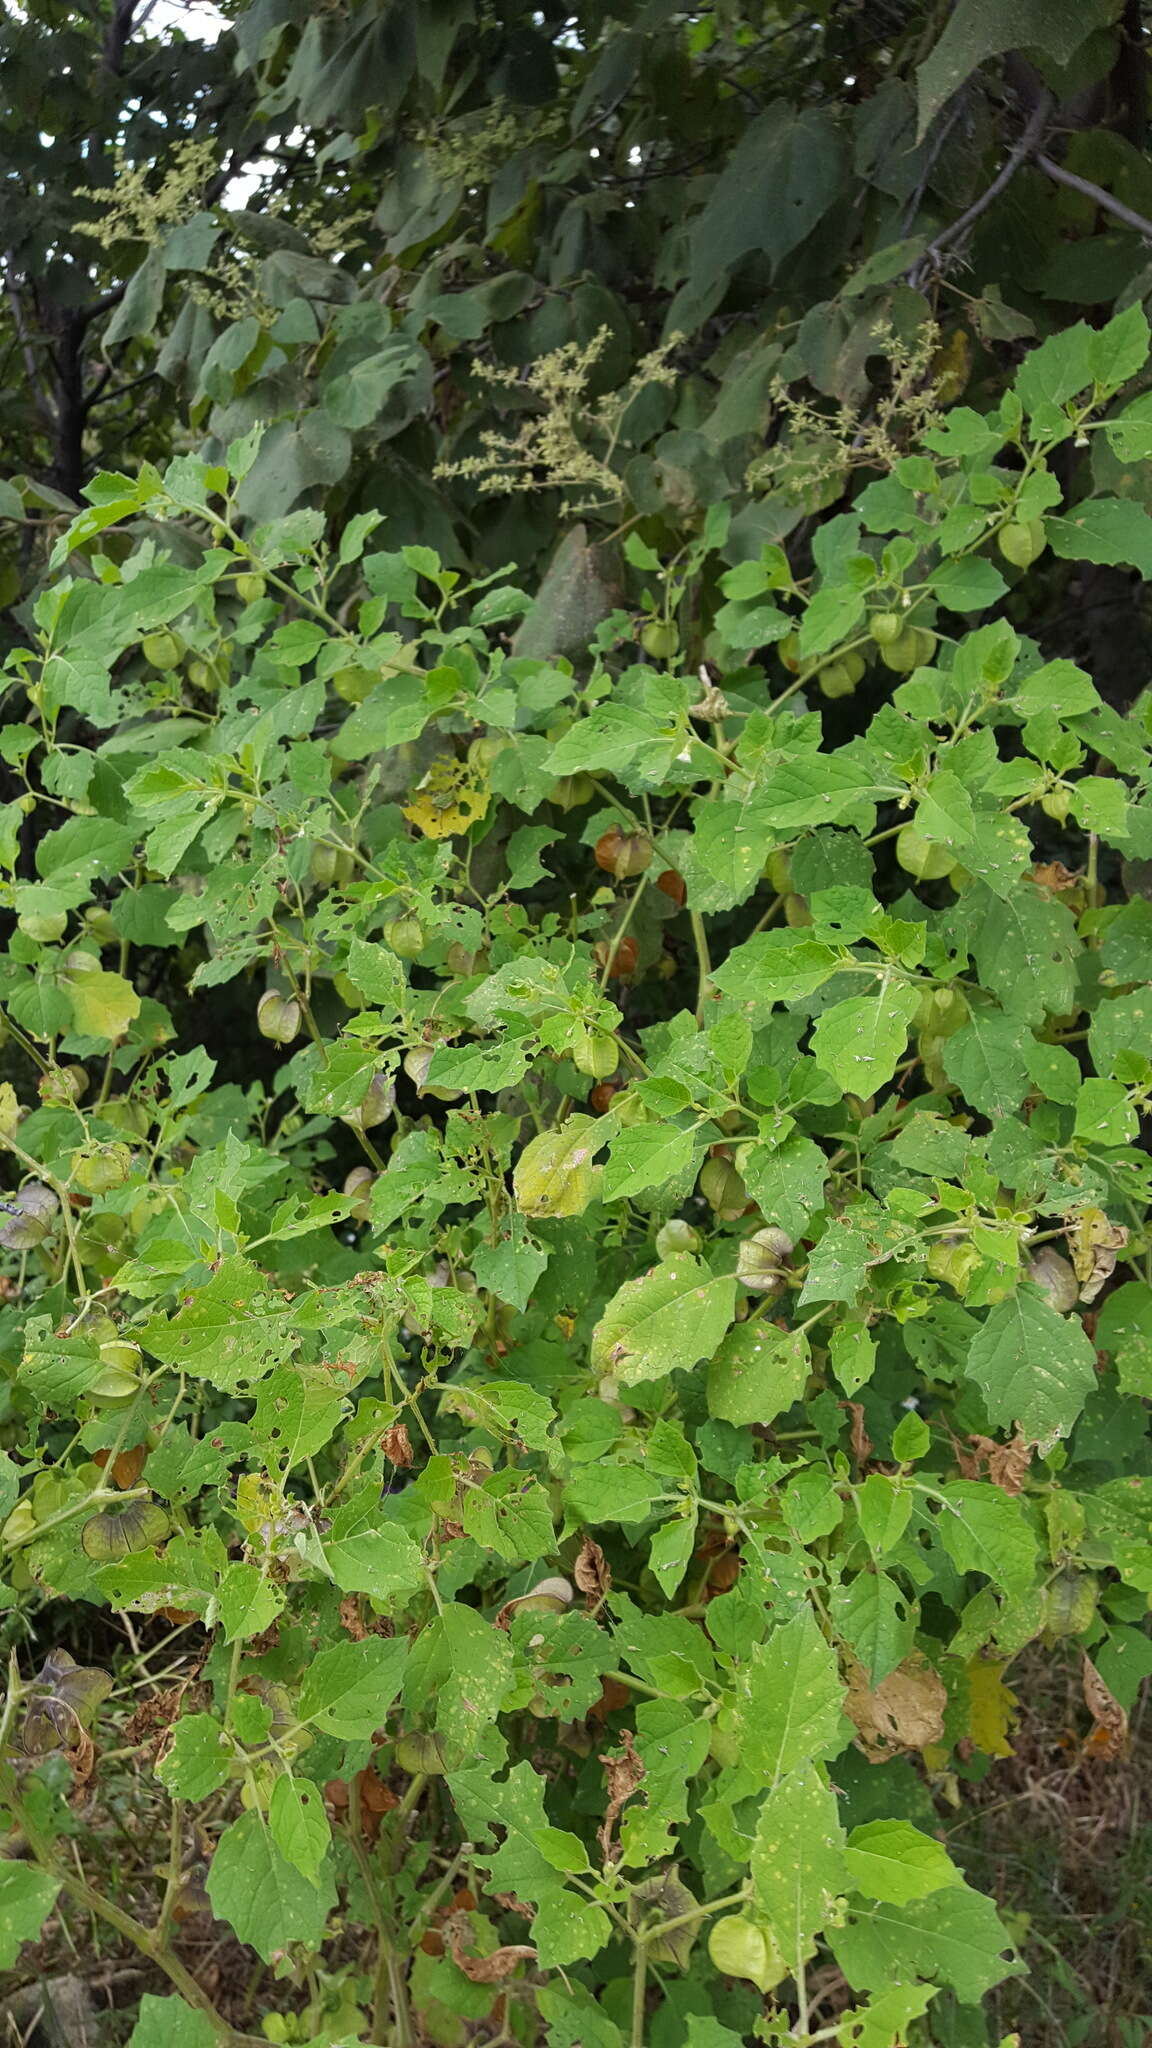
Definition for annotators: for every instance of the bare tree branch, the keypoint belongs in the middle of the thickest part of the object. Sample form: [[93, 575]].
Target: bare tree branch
[[1104, 200], [1028, 144]]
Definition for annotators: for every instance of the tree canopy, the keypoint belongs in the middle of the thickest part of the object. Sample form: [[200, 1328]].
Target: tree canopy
[[482, 268]]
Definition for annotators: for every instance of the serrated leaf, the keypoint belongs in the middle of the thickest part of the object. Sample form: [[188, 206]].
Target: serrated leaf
[[264, 1899], [860, 1042], [171, 2023], [1034, 1367], [646, 1156], [757, 1373], [954, 1937], [895, 1862], [197, 1761], [790, 1705], [27, 1896], [673, 1316], [299, 1824], [348, 1689], [103, 1004], [797, 1861], [985, 1530], [986, 1060]]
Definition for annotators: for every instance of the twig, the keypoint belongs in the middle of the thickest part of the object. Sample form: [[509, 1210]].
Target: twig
[[1026, 146], [1103, 199]]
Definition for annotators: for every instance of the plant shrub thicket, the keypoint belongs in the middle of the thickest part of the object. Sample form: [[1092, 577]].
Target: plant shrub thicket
[[673, 1322]]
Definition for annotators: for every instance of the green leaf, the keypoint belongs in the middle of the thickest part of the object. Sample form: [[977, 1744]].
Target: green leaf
[[248, 1601], [27, 1896], [986, 1060], [789, 1706], [567, 1928], [776, 967], [975, 30], [985, 1530], [786, 1181], [349, 1688], [1026, 950], [673, 1316], [1034, 1367], [170, 2023], [877, 1620], [860, 1042], [510, 1514], [797, 1860], [299, 1824], [1110, 530], [779, 181], [954, 1937], [893, 1861], [197, 1761], [264, 1899], [757, 1373], [646, 1156], [511, 1267], [367, 1554]]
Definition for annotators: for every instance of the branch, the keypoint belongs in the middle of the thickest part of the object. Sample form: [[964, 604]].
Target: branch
[[117, 38], [1103, 199], [27, 350], [1027, 146]]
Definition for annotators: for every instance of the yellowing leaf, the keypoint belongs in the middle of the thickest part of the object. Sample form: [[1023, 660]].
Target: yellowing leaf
[[992, 1706], [448, 800], [554, 1174], [103, 1004]]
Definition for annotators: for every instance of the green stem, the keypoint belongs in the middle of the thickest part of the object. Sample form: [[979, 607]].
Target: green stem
[[639, 1986]]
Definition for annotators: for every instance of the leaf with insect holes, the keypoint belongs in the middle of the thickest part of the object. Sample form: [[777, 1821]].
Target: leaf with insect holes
[[673, 1316], [266, 1901], [299, 1824]]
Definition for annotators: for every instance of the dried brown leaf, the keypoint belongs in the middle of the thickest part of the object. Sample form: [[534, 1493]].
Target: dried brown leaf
[[591, 1572], [1109, 1738], [625, 1774], [905, 1711]]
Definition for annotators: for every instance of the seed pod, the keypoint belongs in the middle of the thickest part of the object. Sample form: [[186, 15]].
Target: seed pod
[[1054, 1276], [671, 884], [623, 853], [797, 913], [1069, 1604], [660, 641], [741, 1947], [620, 959], [630, 1109], [162, 650], [760, 1260], [572, 791], [60, 1087], [885, 628], [376, 1106], [836, 680], [29, 1218], [903, 654], [43, 926], [788, 650], [921, 856], [278, 1017], [676, 1236], [406, 937], [121, 1531], [1056, 803], [1022, 542], [602, 1095], [250, 587], [416, 1064], [779, 871], [594, 1053], [101, 1168], [723, 1189]]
